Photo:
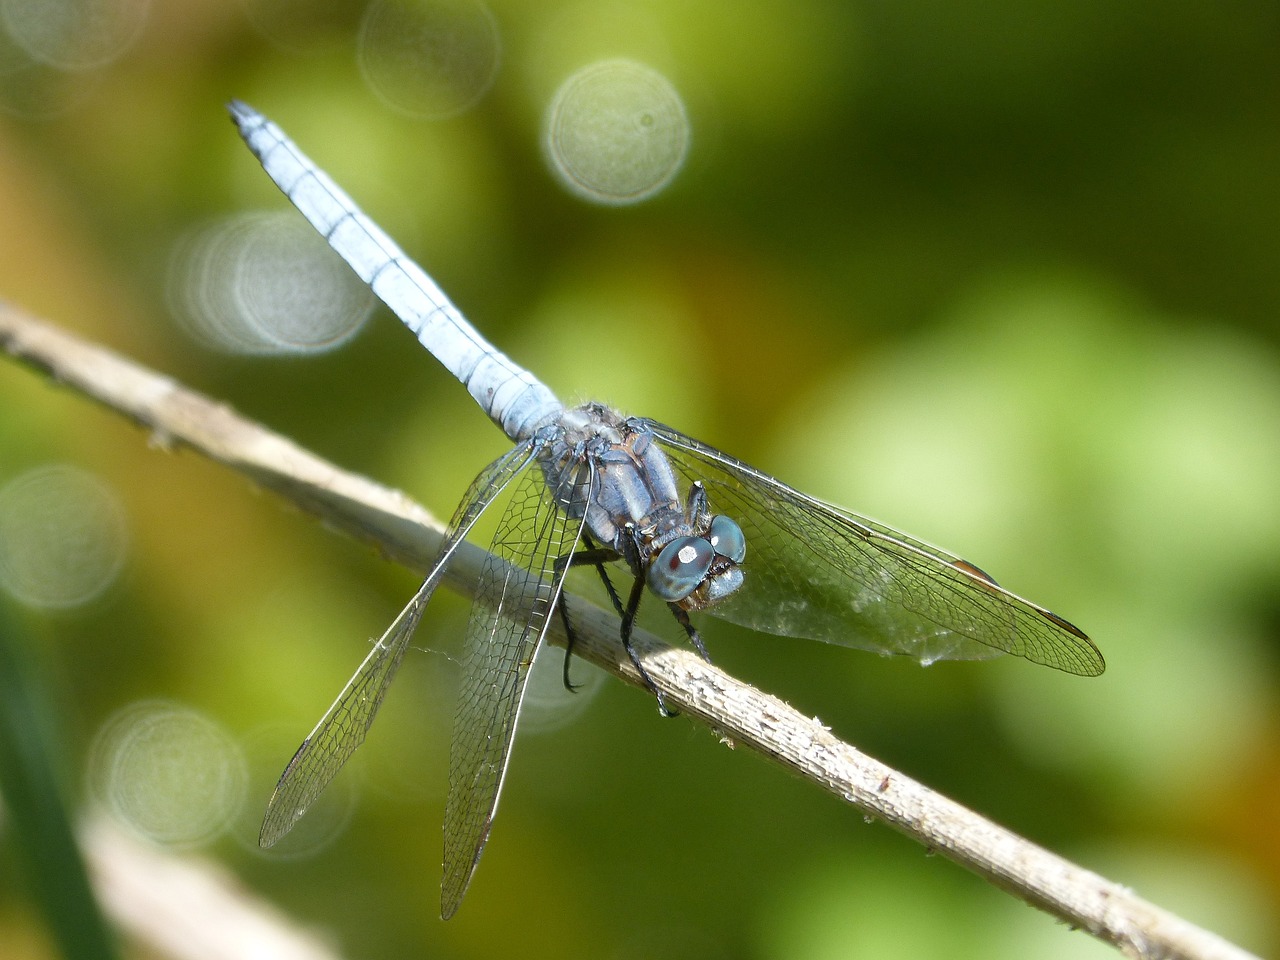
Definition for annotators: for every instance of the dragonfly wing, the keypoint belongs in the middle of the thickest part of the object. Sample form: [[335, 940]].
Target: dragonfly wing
[[343, 727], [814, 570], [519, 589]]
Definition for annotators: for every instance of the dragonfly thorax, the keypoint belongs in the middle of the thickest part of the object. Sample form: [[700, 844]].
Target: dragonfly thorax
[[613, 470]]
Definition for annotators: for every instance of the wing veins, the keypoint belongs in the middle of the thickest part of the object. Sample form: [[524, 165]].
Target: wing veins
[[500, 650], [344, 725], [935, 587]]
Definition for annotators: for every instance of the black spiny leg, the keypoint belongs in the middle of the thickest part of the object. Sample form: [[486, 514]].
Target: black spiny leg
[[596, 557], [628, 622], [604, 577], [682, 617], [570, 638]]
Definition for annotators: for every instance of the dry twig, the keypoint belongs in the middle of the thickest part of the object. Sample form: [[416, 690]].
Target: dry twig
[[188, 908], [408, 534]]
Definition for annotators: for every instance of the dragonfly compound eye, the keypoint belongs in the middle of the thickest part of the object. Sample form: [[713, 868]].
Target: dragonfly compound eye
[[727, 539], [680, 567]]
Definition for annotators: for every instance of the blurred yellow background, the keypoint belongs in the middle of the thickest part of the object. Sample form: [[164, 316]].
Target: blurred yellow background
[[1004, 276]]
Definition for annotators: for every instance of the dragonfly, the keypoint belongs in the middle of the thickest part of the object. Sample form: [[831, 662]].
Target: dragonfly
[[587, 486]]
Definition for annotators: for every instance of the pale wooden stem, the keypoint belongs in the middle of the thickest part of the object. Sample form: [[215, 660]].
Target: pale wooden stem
[[737, 711], [187, 907]]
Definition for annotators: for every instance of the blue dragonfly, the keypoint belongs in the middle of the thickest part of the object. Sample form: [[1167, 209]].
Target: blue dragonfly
[[588, 486]]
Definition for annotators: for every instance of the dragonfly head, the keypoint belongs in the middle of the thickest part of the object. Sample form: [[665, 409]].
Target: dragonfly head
[[699, 571]]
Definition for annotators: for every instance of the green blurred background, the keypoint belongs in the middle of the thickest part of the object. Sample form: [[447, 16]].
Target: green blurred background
[[1004, 275]]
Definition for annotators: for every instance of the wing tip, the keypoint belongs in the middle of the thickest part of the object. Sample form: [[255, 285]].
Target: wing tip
[[452, 890], [272, 832], [1089, 662]]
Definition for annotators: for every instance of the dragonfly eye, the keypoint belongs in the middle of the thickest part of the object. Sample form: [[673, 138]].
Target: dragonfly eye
[[727, 539], [680, 567]]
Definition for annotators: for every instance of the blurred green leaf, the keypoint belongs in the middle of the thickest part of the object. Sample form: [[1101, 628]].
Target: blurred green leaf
[[39, 826]]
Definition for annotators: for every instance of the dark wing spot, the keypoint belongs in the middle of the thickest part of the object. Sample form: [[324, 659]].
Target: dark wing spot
[[975, 571]]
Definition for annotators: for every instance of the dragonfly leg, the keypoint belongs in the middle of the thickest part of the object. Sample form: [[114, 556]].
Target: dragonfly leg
[[570, 638], [628, 622], [682, 617], [596, 557]]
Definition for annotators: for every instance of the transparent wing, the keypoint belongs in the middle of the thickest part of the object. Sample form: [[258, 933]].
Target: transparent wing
[[518, 593], [814, 570], [343, 727]]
